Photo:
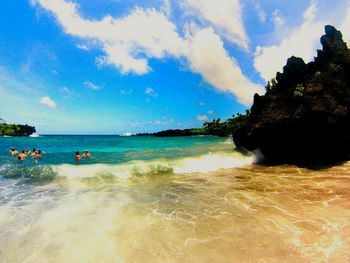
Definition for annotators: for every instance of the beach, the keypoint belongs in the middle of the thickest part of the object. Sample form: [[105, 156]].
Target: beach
[[191, 199]]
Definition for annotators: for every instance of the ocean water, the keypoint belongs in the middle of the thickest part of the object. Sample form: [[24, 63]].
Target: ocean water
[[118, 156], [186, 199]]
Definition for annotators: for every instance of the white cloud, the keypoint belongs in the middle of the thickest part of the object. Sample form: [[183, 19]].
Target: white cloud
[[224, 15], [128, 42], [277, 18], [261, 13], [166, 8], [2, 88], [68, 92], [47, 101], [302, 42], [202, 117], [210, 112], [92, 85], [201, 103], [83, 47], [143, 31], [209, 58], [345, 26], [310, 13], [150, 92]]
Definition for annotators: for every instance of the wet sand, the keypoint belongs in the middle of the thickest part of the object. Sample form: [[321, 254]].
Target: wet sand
[[248, 214]]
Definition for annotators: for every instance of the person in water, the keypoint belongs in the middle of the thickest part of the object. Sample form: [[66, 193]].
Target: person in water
[[38, 154], [86, 154], [13, 151], [77, 156], [22, 156], [33, 152]]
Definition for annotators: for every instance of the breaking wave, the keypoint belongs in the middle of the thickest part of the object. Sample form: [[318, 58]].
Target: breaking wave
[[200, 164]]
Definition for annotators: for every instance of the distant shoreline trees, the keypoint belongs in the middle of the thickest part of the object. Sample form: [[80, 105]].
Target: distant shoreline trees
[[15, 129], [215, 127]]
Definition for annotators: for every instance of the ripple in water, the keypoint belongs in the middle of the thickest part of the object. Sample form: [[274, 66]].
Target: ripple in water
[[249, 214]]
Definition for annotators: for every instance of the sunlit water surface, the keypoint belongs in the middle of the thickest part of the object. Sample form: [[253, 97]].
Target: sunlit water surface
[[213, 206]]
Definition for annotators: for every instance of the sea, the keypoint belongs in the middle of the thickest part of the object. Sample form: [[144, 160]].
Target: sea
[[179, 199]]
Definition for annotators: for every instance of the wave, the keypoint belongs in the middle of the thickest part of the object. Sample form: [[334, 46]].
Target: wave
[[200, 164], [29, 173], [35, 135]]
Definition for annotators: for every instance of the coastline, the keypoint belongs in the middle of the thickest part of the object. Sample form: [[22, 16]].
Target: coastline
[[178, 199], [247, 213], [175, 131]]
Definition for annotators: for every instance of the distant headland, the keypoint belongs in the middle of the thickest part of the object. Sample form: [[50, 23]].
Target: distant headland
[[215, 127], [15, 129]]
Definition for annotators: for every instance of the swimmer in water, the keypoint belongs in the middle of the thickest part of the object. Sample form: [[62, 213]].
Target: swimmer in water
[[33, 153], [77, 156], [86, 154], [38, 154], [13, 151], [22, 156]]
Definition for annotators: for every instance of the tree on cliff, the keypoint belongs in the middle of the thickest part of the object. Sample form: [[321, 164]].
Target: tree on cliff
[[305, 114], [16, 130]]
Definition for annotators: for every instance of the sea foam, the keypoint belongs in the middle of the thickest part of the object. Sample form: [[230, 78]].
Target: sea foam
[[200, 164]]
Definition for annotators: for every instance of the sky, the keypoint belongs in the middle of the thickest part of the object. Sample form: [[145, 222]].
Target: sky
[[118, 66]]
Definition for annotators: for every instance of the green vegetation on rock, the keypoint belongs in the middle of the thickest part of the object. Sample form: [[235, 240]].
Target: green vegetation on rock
[[15, 129], [299, 90]]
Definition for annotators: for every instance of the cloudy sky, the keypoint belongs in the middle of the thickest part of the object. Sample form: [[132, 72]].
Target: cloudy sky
[[116, 66]]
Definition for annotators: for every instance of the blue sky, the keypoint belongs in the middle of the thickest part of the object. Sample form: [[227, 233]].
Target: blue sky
[[116, 66]]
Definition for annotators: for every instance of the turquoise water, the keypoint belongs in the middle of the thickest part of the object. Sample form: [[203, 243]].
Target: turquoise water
[[110, 149], [114, 156], [185, 199]]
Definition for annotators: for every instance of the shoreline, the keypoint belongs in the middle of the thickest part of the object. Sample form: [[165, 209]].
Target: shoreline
[[297, 215]]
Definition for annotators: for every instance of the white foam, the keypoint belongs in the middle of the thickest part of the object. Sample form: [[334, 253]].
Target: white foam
[[86, 171], [211, 162], [204, 163]]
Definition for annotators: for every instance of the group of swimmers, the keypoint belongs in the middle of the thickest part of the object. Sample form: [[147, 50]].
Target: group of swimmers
[[78, 157], [21, 156]]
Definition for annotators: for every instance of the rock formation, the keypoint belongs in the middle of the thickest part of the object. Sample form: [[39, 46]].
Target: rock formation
[[304, 117]]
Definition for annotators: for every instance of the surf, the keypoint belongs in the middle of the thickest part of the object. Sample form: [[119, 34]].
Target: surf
[[200, 164], [35, 135]]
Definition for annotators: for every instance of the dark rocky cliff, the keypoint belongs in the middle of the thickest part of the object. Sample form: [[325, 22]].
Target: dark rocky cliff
[[304, 116]]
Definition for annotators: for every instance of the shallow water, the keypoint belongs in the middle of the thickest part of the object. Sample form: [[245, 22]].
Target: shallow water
[[60, 149], [189, 213]]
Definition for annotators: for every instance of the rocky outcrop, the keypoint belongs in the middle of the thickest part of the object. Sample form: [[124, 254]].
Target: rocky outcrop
[[16, 130], [304, 117]]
